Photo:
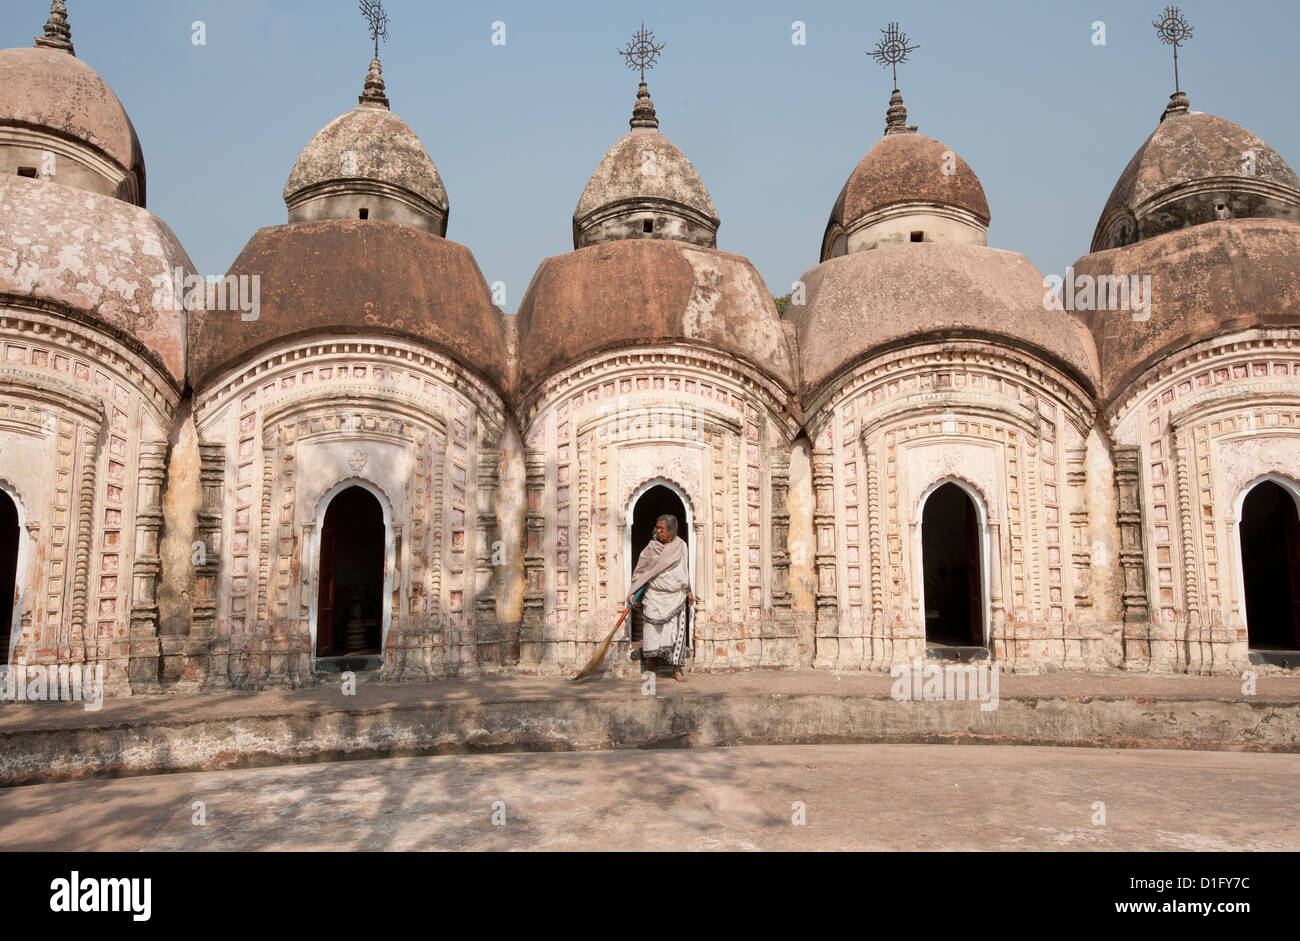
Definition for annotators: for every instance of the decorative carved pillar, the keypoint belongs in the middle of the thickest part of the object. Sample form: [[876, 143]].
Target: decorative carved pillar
[[208, 655], [779, 645], [916, 576], [718, 534], [1132, 556], [87, 460], [734, 491], [874, 545], [1231, 543], [143, 670], [997, 606], [530, 634], [585, 560], [1076, 484], [485, 601], [1076, 479], [31, 600], [1034, 574], [437, 536], [995, 573], [1188, 656], [825, 558], [262, 607], [782, 599]]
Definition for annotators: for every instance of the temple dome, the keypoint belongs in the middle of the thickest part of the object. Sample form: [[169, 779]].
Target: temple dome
[[53, 103], [644, 187], [908, 188], [1196, 168], [866, 302], [347, 277], [98, 259], [1206, 281], [633, 292], [368, 164]]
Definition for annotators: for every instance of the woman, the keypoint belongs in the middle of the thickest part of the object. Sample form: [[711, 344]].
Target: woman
[[663, 569]]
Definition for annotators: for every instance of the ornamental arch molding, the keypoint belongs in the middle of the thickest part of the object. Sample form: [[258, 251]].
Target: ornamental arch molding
[[987, 542], [630, 492], [392, 531], [978, 480], [1290, 484], [694, 525]]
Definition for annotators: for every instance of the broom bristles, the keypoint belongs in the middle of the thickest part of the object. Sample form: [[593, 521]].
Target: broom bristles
[[599, 656]]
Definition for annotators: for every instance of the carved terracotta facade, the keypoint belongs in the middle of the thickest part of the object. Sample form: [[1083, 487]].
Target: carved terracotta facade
[[1010, 431], [713, 431], [84, 426], [289, 432], [172, 467]]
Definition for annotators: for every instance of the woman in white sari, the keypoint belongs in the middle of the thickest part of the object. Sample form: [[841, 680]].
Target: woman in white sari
[[665, 607]]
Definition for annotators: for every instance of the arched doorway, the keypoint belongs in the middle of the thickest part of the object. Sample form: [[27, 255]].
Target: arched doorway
[[353, 551], [9, 545], [952, 583], [648, 505], [1270, 564]]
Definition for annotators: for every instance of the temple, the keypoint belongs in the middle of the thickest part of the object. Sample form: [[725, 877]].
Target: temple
[[916, 457]]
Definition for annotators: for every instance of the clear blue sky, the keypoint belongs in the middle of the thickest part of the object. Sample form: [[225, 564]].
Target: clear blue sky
[[1044, 117]]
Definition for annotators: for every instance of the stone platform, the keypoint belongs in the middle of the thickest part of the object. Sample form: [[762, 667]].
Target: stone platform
[[142, 735]]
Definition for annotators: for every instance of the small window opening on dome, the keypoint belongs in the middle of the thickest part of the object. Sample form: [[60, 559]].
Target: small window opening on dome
[[29, 172], [918, 236], [365, 214], [648, 225]]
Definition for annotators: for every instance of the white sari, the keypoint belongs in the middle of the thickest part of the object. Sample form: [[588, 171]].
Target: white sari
[[666, 616]]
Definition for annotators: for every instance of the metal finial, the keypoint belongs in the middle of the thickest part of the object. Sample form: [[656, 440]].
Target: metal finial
[[641, 52], [377, 17], [892, 50], [58, 34], [1173, 30]]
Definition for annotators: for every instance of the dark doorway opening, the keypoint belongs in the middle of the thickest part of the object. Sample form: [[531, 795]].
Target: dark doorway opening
[[353, 544], [8, 570], [950, 560], [1270, 562], [656, 502]]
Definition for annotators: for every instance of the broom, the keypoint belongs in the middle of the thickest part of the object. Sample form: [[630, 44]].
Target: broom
[[599, 656]]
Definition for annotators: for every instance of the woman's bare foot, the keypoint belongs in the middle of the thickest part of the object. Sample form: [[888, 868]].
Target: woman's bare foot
[[678, 675]]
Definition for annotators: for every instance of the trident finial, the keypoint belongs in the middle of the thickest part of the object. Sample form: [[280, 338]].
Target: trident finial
[[377, 17], [892, 50], [1173, 30], [58, 34], [641, 52]]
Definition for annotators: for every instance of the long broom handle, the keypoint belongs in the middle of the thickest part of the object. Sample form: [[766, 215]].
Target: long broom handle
[[636, 596]]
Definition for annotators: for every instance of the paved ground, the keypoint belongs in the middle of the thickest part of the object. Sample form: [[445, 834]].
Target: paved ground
[[136, 710], [41, 743], [855, 797]]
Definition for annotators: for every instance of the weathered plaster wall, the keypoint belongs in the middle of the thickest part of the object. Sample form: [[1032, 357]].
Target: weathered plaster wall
[[612, 424], [181, 552], [84, 423], [511, 497], [803, 547], [1008, 430], [1200, 427], [282, 438]]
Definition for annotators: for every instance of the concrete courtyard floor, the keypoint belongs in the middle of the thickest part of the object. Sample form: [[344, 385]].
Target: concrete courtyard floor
[[854, 797], [43, 743]]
